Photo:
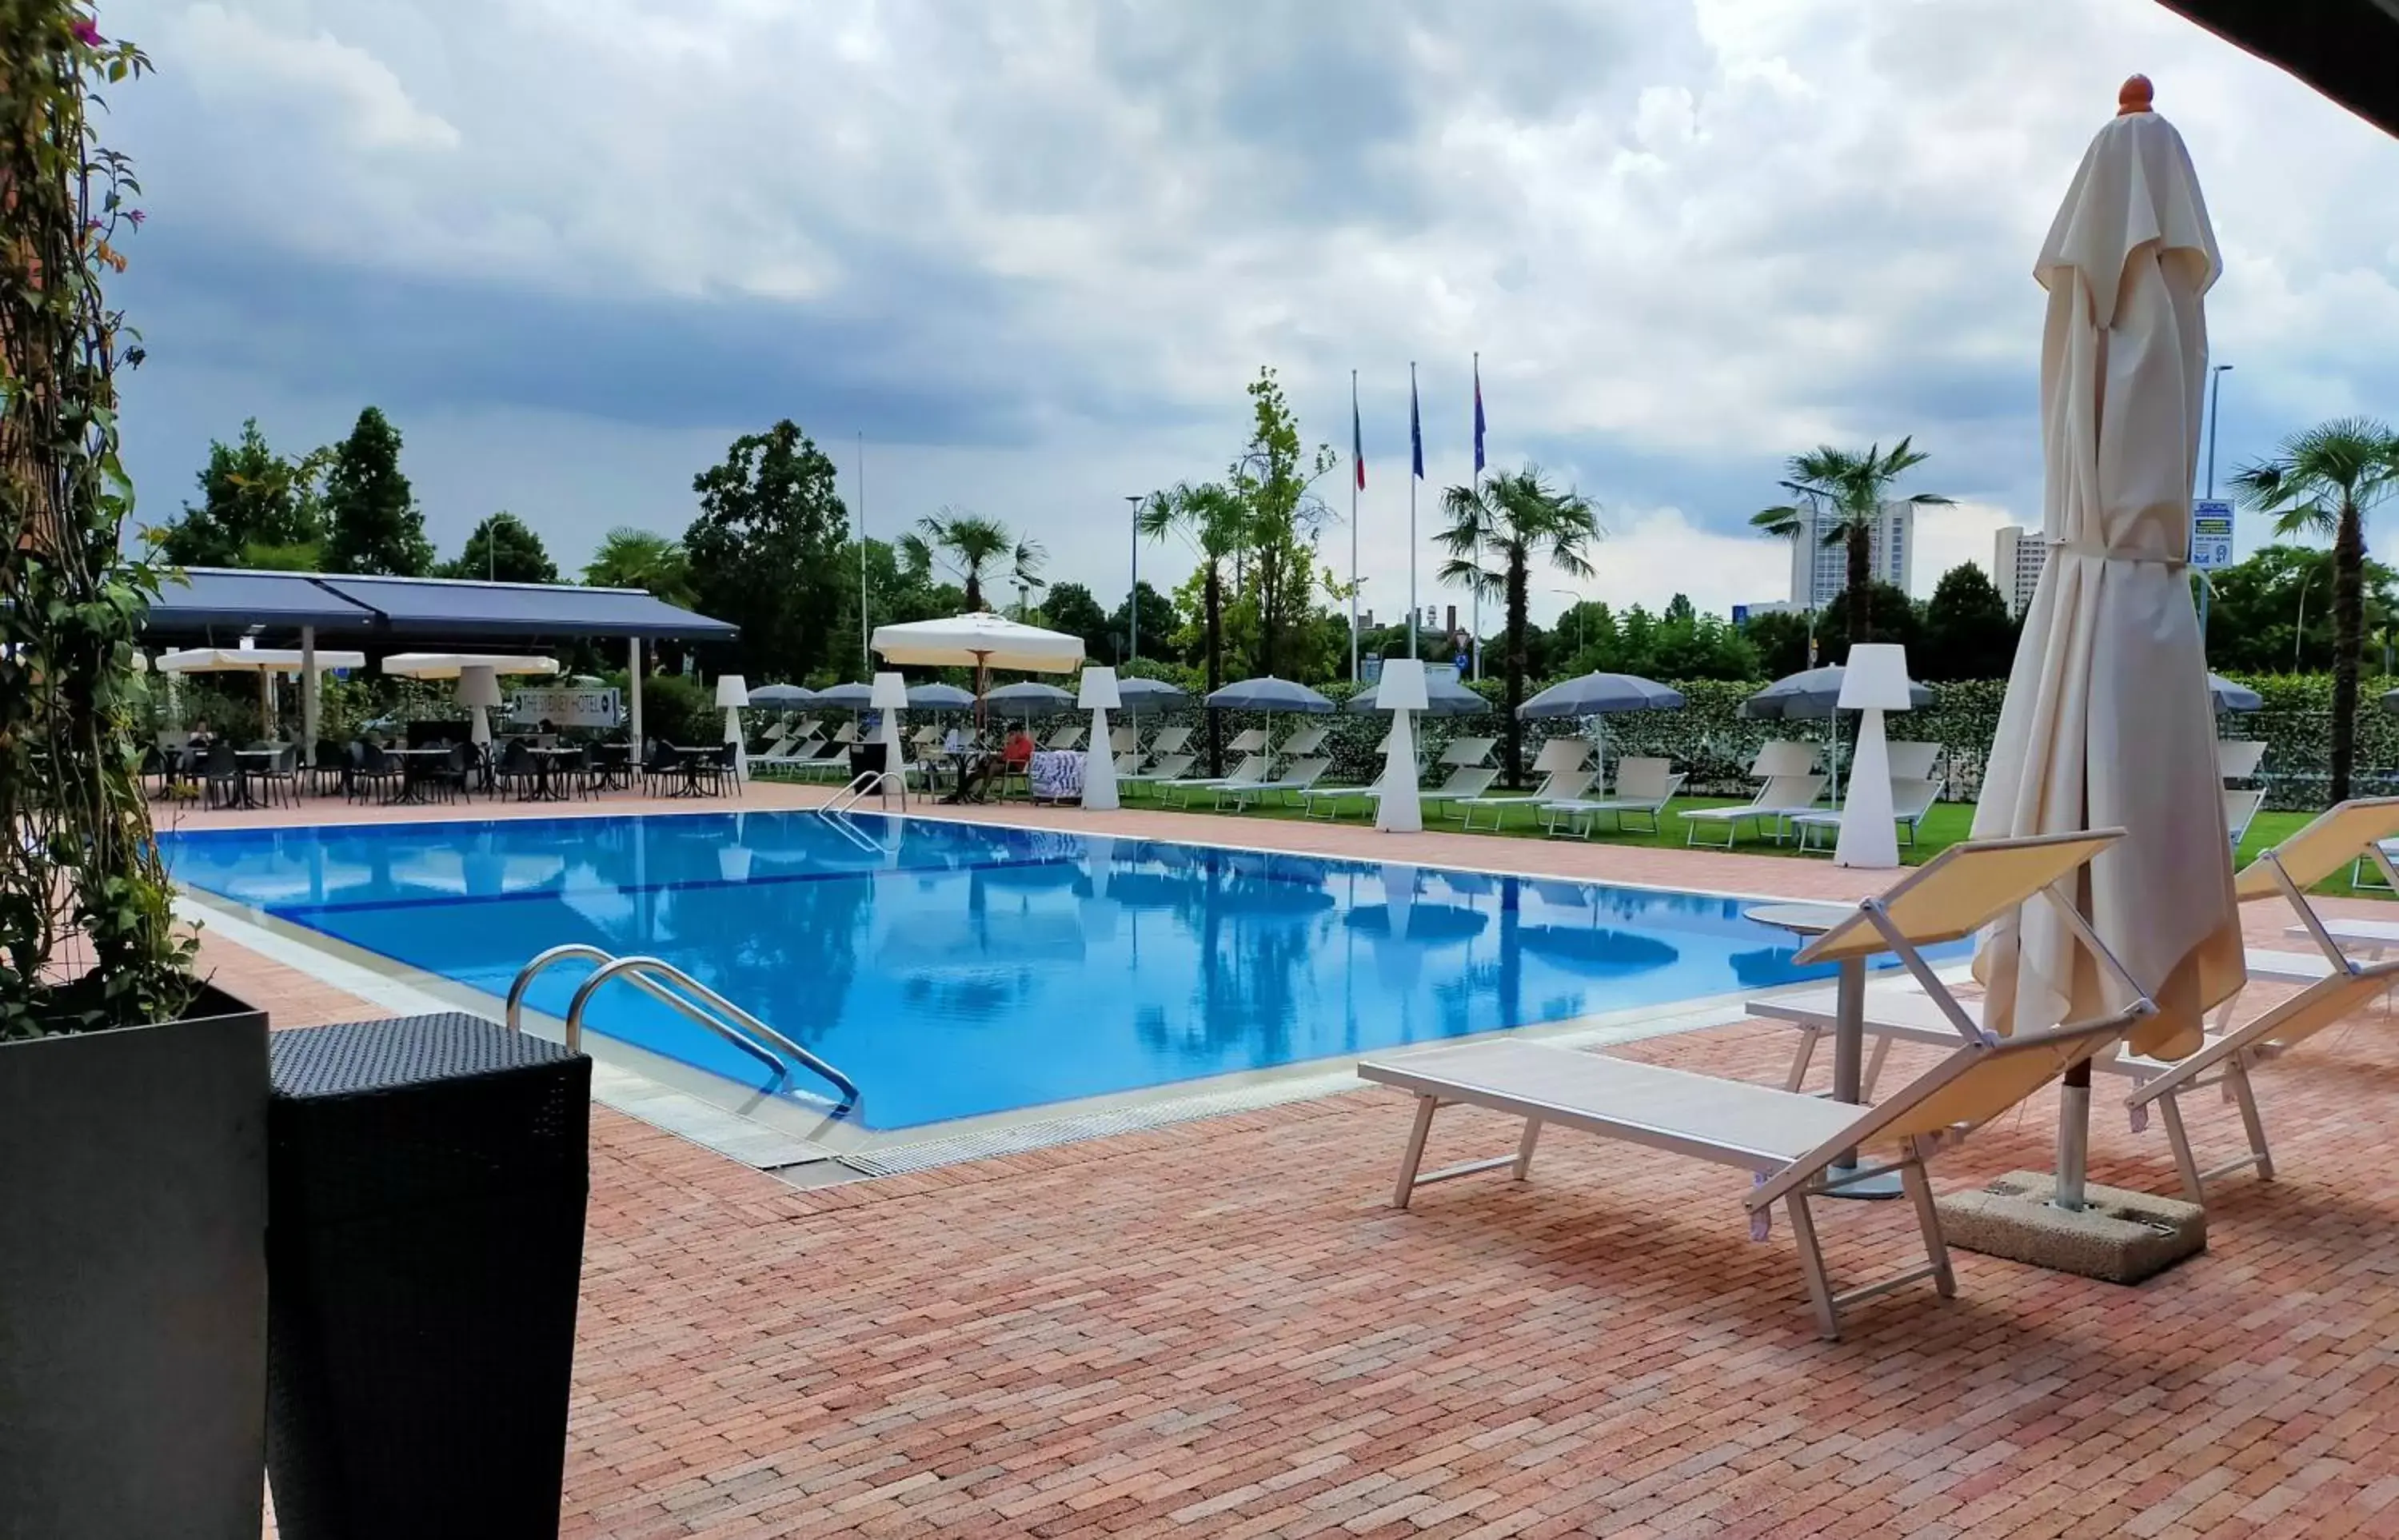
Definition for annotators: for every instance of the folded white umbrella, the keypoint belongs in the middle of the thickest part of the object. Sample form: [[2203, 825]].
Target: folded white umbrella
[[2108, 721]]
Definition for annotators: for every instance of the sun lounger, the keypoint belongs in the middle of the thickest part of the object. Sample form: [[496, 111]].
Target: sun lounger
[[1472, 751], [1302, 744], [2240, 810], [1790, 1142], [1783, 757], [1910, 800], [1124, 740], [2356, 829], [1643, 787], [1254, 770], [1065, 739], [2237, 759], [1169, 740], [1780, 799], [1169, 767], [1294, 780], [1559, 785], [1248, 740]]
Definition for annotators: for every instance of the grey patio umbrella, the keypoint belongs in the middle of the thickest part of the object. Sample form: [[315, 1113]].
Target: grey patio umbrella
[[1597, 695], [940, 697], [1269, 694], [2229, 696], [847, 697], [782, 697], [1029, 698], [1135, 694], [1813, 693], [1445, 696]]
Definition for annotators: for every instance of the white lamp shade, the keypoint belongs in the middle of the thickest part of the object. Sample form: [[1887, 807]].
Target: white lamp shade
[[478, 688], [732, 690], [889, 692], [1403, 686], [1099, 691], [1874, 677]]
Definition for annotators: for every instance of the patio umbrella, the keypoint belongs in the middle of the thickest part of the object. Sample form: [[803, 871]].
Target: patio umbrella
[[782, 697], [1811, 693], [2103, 725], [266, 662], [846, 698], [1599, 695], [1028, 698], [1267, 694], [1139, 693], [982, 641], [940, 697], [2228, 697], [478, 675], [1443, 696]]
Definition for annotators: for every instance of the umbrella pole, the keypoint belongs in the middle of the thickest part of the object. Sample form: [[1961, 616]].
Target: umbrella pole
[[2073, 1136]]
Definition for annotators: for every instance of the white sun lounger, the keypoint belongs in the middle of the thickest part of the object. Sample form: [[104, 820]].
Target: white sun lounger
[[1643, 786], [1465, 781], [1254, 770], [2240, 810], [2237, 759], [1910, 800], [1294, 780], [1469, 751], [1789, 1142], [1559, 786], [1169, 740], [1167, 768], [1780, 799], [2355, 830]]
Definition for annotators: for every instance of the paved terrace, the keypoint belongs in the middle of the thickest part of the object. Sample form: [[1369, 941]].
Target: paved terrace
[[1219, 1329]]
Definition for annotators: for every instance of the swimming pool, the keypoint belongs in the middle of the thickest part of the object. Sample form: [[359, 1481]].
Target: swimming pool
[[954, 969]]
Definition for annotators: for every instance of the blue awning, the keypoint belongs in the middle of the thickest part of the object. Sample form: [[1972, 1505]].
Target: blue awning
[[202, 600]]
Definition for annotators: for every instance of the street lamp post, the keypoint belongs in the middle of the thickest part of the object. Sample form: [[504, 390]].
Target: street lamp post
[[1133, 599], [2215, 416], [1576, 607]]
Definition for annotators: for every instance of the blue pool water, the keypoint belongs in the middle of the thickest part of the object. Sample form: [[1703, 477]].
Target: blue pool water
[[954, 969]]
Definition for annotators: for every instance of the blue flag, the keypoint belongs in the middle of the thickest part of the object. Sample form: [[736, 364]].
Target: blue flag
[[1357, 441], [1478, 416], [1416, 425]]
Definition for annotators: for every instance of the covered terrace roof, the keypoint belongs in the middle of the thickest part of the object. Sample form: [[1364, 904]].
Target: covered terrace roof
[[199, 601], [2347, 49]]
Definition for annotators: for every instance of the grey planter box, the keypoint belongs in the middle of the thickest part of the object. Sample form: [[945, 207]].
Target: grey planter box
[[133, 1280]]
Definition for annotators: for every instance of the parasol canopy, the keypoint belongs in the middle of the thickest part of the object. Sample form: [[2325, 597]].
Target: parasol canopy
[[979, 641], [1599, 695], [1814, 693], [1269, 694], [2106, 722], [1445, 696]]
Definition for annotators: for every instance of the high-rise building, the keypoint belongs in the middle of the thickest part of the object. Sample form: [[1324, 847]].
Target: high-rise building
[[2016, 566], [1820, 573]]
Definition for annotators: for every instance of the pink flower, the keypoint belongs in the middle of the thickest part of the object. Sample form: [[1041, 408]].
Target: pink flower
[[87, 33], [137, 216]]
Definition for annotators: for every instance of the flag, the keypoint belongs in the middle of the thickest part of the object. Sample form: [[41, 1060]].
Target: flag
[[1478, 414], [1357, 439], [1416, 425]]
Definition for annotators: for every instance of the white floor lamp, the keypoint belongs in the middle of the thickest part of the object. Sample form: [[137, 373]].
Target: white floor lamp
[[890, 697], [1873, 681], [1099, 697], [1402, 692], [733, 693], [479, 689]]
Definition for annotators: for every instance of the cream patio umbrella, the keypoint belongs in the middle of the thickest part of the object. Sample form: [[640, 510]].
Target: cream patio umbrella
[[2107, 722], [266, 663]]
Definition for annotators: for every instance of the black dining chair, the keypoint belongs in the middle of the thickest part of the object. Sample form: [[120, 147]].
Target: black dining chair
[[516, 771], [280, 775], [660, 769], [221, 784], [374, 775], [331, 771]]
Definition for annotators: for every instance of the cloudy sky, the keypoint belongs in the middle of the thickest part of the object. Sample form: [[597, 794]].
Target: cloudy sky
[[1032, 251]]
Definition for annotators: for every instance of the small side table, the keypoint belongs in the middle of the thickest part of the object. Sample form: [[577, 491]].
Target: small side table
[[426, 1182], [1849, 1028]]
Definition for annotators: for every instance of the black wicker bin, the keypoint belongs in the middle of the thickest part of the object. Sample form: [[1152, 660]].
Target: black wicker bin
[[426, 1183]]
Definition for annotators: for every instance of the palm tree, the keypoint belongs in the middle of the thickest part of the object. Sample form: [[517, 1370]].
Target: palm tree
[[630, 558], [1513, 519], [970, 546], [2324, 479], [1852, 488], [1216, 523]]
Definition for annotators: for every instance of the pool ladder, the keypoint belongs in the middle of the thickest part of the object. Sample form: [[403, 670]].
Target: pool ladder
[[868, 783], [671, 986]]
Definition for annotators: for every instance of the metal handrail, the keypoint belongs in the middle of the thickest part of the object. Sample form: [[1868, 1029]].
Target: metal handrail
[[865, 782], [694, 1001]]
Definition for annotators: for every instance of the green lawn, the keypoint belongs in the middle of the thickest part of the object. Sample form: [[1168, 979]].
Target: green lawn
[[1944, 826]]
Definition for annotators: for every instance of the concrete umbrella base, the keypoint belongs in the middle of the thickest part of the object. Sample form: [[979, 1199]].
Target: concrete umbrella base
[[2115, 1237]]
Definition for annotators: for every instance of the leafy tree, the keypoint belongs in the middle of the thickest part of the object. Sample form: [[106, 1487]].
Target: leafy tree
[[1968, 633], [1894, 617], [1273, 479], [1851, 488], [2323, 480], [1159, 622], [1069, 607], [1496, 533], [2272, 613], [504, 548], [256, 509], [1217, 521], [971, 547], [373, 522], [630, 558], [762, 550], [1781, 638], [894, 593]]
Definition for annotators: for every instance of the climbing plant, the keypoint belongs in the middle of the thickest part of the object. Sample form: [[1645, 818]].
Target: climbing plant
[[88, 938]]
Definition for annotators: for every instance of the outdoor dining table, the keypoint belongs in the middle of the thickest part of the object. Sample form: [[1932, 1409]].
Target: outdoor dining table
[[1849, 1028], [251, 759], [687, 763], [412, 777], [545, 789]]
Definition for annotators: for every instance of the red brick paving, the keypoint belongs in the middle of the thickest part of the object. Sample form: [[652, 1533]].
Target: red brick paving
[[1220, 1328]]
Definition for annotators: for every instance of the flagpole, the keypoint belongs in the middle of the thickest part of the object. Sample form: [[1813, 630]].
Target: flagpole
[[1477, 641], [865, 658], [1416, 450], [1354, 478]]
